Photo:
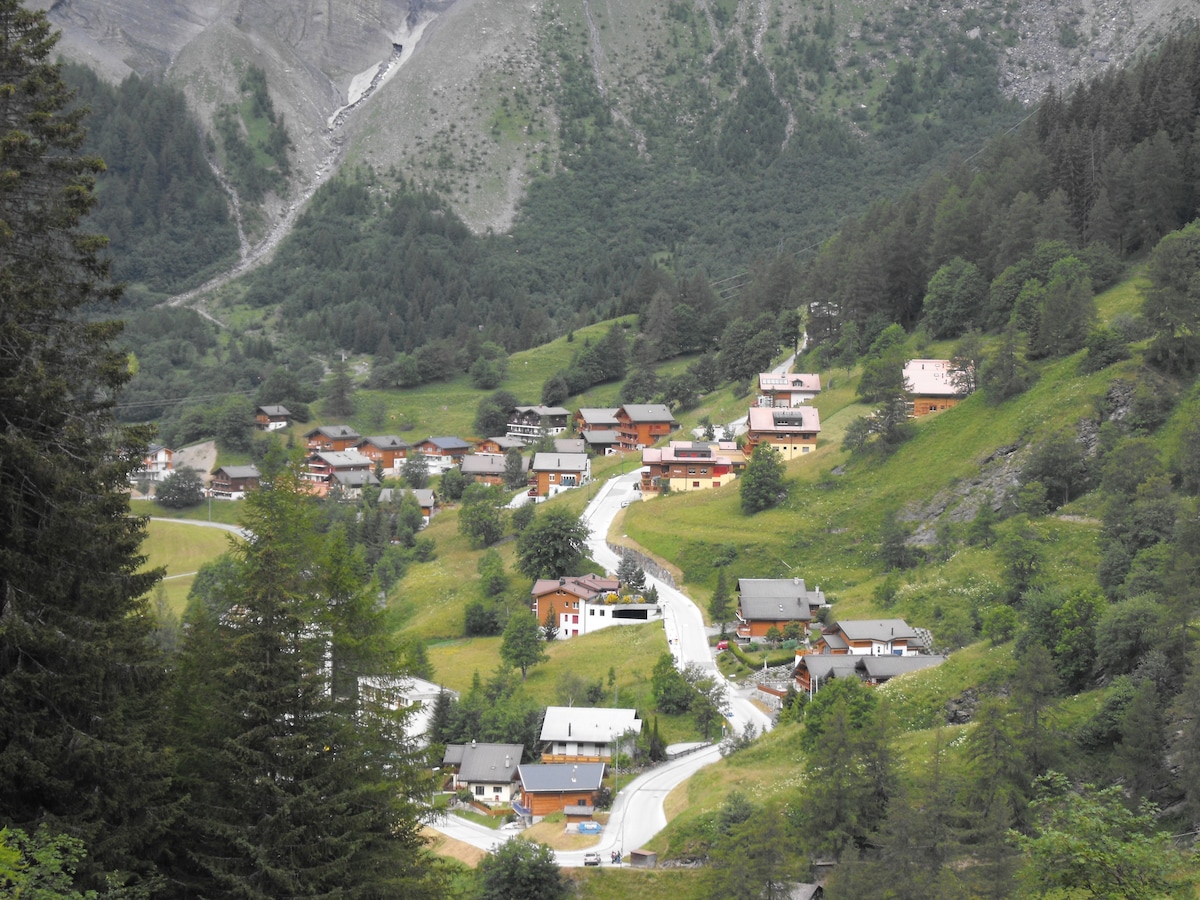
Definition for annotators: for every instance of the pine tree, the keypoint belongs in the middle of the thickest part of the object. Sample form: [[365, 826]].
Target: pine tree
[[80, 679], [762, 483], [302, 780], [340, 402], [720, 605]]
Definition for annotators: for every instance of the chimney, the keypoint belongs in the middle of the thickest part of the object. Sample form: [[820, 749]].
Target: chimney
[[507, 761], [472, 742], [795, 579]]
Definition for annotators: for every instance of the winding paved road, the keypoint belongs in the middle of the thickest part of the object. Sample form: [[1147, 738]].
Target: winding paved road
[[637, 813]]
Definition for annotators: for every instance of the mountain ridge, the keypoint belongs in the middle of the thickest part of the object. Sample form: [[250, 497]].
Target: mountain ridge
[[476, 112]]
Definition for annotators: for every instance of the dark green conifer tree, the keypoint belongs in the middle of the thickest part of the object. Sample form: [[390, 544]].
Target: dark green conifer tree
[[302, 780], [80, 680]]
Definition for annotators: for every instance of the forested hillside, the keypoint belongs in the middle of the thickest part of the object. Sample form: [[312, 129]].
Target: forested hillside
[[161, 206]]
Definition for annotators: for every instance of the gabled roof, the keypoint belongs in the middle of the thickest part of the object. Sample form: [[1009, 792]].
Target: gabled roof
[[274, 410], [339, 432], [355, 479], [788, 381], [560, 777], [884, 667], [789, 419], [647, 412], [569, 445], [593, 415], [488, 464], [344, 459], [930, 378], [238, 471], [825, 665], [773, 599], [446, 443], [479, 763], [544, 411], [559, 462], [582, 586], [874, 629], [591, 724], [692, 452], [385, 442], [425, 496], [506, 443], [601, 437]]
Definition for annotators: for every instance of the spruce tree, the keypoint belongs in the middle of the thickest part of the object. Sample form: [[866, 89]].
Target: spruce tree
[[302, 780], [79, 677]]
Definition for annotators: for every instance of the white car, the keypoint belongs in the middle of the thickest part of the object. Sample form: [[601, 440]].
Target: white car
[[513, 826], [591, 858]]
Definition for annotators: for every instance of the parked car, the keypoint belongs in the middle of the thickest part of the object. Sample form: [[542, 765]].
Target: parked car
[[591, 858], [722, 645]]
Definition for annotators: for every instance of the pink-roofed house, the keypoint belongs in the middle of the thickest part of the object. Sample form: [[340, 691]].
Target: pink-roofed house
[[690, 466], [787, 389], [931, 383], [793, 431]]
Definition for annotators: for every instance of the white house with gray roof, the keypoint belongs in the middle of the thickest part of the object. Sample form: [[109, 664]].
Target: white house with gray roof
[[586, 734], [488, 771], [872, 637]]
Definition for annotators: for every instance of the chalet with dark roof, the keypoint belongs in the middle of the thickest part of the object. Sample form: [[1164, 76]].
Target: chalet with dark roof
[[332, 439], [488, 771], [232, 482], [764, 603], [272, 418], [387, 450], [643, 424], [530, 422]]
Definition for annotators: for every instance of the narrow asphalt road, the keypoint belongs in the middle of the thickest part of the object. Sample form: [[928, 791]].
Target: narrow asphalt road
[[637, 813]]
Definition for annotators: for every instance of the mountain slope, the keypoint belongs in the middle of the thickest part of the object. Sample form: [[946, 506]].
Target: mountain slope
[[477, 107]]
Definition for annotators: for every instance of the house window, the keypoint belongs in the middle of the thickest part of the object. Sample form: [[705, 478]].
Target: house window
[[695, 484], [691, 470], [550, 477], [479, 790], [704, 470], [574, 620], [591, 612]]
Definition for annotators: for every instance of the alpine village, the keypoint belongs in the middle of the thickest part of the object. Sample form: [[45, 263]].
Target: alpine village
[[545, 449]]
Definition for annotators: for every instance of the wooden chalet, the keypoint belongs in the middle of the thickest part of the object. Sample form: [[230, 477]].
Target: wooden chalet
[[689, 466], [554, 787], [386, 449], [931, 384], [272, 418], [643, 424], [232, 482], [332, 438], [765, 603]]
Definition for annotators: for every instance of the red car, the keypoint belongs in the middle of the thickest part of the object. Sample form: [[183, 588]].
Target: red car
[[722, 645]]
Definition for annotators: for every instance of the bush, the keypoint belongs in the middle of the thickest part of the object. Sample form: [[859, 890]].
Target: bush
[[181, 489]]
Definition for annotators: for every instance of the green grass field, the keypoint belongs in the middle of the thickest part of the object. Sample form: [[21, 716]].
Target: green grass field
[[181, 549]]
